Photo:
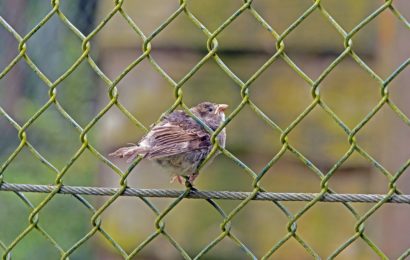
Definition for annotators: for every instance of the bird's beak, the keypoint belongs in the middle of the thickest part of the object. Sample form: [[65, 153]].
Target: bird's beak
[[221, 108]]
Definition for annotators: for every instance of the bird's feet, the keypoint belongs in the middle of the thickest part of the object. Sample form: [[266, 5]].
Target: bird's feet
[[189, 180], [178, 178]]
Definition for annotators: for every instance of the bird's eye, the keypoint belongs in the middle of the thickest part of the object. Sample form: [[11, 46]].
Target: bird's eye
[[210, 109]]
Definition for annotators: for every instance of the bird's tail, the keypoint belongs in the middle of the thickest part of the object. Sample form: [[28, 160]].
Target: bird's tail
[[129, 152]]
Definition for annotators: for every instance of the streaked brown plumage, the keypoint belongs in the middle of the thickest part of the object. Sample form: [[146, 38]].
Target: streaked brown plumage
[[178, 143]]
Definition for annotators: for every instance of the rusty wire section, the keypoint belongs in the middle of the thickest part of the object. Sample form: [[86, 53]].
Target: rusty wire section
[[243, 87]]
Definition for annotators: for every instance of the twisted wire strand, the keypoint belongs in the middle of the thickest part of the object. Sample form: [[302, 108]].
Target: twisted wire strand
[[228, 195]]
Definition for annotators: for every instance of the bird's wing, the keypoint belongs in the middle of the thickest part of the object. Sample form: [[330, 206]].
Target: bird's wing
[[172, 138]]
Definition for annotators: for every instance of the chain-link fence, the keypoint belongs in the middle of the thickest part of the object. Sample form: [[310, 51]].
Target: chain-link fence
[[326, 193]]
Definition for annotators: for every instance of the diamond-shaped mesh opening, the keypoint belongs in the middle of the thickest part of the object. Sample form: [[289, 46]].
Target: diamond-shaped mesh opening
[[62, 132], [399, 93], [358, 249], [19, 222], [51, 37], [180, 32], [275, 95], [262, 143], [391, 129], [199, 87], [318, 226], [351, 109], [348, 17], [8, 49], [220, 14], [84, 21], [324, 42], [289, 174], [200, 212], [12, 13], [291, 249], [19, 84], [217, 175], [316, 107], [32, 241], [79, 175], [392, 43], [256, 214], [84, 86], [74, 223], [106, 35], [119, 221], [381, 218], [320, 130], [281, 20], [9, 140], [358, 175], [235, 37], [151, 88], [26, 168], [149, 15]]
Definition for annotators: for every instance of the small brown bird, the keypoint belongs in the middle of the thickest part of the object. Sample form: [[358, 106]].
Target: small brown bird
[[178, 143]]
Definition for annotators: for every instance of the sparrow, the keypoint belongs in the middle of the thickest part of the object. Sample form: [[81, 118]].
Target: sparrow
[[178, 143]]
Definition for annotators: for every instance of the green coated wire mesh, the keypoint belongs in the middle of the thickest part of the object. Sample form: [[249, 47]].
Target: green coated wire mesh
[[55, 11]]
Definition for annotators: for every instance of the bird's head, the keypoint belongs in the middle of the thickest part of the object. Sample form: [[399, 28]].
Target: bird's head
[[210, 113]]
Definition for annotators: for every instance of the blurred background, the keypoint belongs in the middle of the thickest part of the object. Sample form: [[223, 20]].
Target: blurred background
[[244, 46]]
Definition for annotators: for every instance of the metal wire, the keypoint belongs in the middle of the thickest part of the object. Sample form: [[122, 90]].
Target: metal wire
[[258, 193], [224, 195]]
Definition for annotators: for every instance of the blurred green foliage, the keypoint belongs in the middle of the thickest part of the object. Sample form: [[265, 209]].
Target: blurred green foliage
[[53, 49]]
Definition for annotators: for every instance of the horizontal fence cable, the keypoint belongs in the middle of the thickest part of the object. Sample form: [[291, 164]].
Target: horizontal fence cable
[[228, 195]]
